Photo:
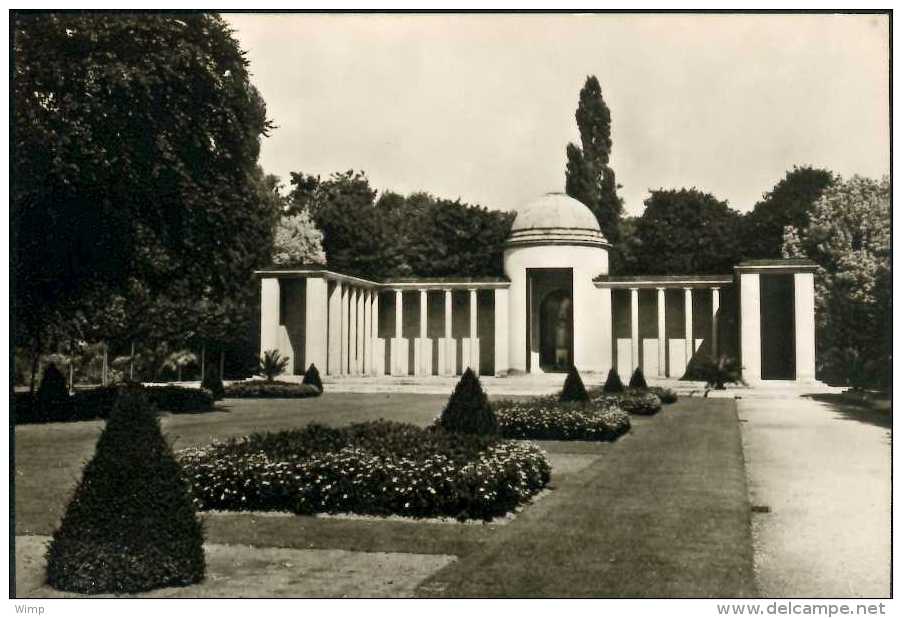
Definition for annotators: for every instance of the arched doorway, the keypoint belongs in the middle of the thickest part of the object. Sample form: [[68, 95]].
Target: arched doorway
[[556, 331]]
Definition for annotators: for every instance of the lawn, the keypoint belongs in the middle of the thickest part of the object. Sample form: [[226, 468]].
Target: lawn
[[661, 512]]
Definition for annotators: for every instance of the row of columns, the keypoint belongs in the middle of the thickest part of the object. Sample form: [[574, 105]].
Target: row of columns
[[353, 313], [662, 326]]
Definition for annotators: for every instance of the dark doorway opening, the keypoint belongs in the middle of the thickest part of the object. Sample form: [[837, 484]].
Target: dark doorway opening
[[778, 358], [550, 319]]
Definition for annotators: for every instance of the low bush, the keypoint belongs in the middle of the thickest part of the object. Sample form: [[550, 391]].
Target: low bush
[[715, 372], [666, 395], [213, 383], [97, 403], [375, 468], [260, 389], [637, 380], [613, 384], [311, 377], [636, 401], [53, 387], [546, 418], [272, 364], [131, 524], [574, 389], [468, 410]]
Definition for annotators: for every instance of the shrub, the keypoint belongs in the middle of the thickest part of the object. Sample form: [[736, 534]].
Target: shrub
[[376, 468], [130, 525], [666, 395], [613, 384], [272, 364], [546, 418], [574, 390], [53, 387], [260, 389], [716, 373], [311, 377], [468, 410], [637, 381], [170, 398], [213, 383], [636, 402]]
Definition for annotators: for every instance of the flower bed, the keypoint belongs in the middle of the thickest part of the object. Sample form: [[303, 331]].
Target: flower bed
[[634, 401], [666, 395], [376, 468], [546, 418], [260, 389]]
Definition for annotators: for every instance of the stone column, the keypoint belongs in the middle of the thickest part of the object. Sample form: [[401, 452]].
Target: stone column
[[334, 367], [804, 326], [662, 332], [750, 325], [634, 328], [316, 322], [687, 311], [345, 318], [423, 349], [269, 314], [715, 309], [377, 358], [399, 349], [361, 331], [502, 326], [365, 334], [474, 333], [352, 332], [447, 352], [606, 316]]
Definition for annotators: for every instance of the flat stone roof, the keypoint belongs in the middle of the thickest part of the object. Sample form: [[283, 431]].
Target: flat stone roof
[[304, 271], [663, 281]]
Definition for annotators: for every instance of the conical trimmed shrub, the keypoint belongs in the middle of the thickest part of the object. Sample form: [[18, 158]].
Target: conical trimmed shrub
[[311, 376], [53, 387], [638, 380], [574, 389], [468, 410], [613, 384], [213, 383], [131, 524]]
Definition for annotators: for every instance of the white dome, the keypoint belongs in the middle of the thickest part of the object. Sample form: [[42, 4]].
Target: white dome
[[556, 219], [555, 210]]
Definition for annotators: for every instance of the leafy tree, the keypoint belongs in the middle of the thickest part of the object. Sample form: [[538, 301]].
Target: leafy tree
[[136, 140], [297, 241], [848, 235], [589, 176], [686, 232], [574, 389], [789, 203], [468, 410], [131, 524]]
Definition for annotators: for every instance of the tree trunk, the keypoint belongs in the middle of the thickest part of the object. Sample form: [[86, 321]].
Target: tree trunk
[[180, 372], [221, 364], [103, 373], [35, 360], [203, 362], [131, 364]]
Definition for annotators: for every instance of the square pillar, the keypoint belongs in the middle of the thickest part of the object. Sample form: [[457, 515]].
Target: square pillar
[[345, 318], [377, 358], [750, 325], [662, 333], [334, 358], [687, 312], [365, 336], [270, 301], [447, 351], [423, 345], [361, 332], [804, 326], [316, 321], [715, 316], [473, 357], [634, 329], [606, 316], [502, 364]]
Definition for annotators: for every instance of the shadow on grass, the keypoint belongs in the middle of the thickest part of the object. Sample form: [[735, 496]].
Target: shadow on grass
[[855, 410]]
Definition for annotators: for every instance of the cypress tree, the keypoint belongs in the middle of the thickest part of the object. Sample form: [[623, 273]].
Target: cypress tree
[[638, 380], [589, 177], [613, 384], [468, 410], [574, 389], [131, 524]]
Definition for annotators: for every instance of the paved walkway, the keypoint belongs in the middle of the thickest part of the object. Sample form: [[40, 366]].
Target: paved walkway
[[823, 469], [663, 512]]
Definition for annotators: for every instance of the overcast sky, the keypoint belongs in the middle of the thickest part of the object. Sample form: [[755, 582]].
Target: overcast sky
[[481, 107]]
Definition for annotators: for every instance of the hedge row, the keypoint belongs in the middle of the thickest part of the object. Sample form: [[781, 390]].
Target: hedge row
[[547, 418], [375, 468], [97, 403], [260, 389], [634, 401]]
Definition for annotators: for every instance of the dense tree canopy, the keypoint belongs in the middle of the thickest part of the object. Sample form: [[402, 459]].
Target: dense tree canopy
[[396, 235], [136, 140], [589, 177], [684, 231], [848, 235], [789, 203]]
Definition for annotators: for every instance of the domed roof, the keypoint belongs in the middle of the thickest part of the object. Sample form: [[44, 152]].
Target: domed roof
[[556, 219], [555, 210]]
